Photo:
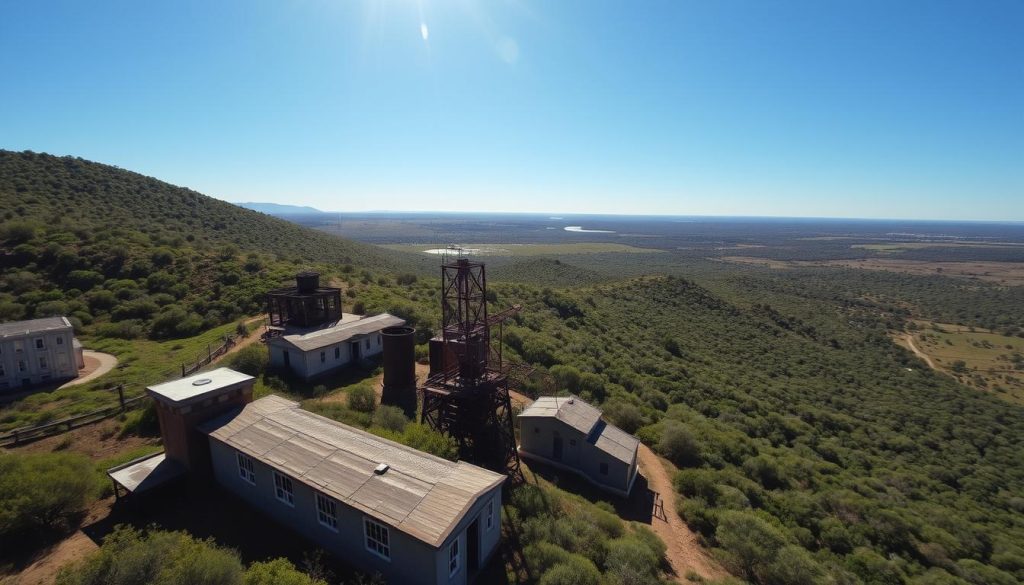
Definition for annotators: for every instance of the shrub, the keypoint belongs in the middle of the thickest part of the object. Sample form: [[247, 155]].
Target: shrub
[[42, 492], [390, 417], [575, 570], [131, 557], [362, 398], [252, 360], [794, 566], [750, 539], [679, 446], [278, 572], [630, 561]]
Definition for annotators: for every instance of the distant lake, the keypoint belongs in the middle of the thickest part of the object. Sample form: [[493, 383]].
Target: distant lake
[[579, 229]]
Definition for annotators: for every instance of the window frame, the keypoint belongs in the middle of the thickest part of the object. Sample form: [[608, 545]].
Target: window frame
[[326, 508], [378, 543], [323, 356], [60, 339], [43, 365], [246, 468], [284, 489], [454, 557], [337, 353], [40, 343]]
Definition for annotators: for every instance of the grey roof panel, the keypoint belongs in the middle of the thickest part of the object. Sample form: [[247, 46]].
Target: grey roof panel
[[30, 326], [421, 495], [586, 419], [340, 332]]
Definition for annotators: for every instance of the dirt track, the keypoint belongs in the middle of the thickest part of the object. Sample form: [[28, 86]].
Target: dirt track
[[684, 553]]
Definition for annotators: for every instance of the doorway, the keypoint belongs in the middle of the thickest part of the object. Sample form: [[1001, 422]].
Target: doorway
[[473, 546], [557, 448], [355, 350]]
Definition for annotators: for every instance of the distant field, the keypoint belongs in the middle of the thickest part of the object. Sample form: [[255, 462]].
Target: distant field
[[978, 358], [895, 247], [529, 249], [1008, 273]]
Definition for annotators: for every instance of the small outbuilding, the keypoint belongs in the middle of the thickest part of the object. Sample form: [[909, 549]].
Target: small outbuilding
[[37, 352], [568, 433], [308, 353]]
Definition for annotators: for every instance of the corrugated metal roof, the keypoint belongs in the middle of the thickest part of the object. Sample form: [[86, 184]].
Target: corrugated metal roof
[[587, 420], [420, 494], [15, 328], [342, 331]]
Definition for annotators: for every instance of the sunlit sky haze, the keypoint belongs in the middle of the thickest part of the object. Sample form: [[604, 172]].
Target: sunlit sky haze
[[910, 109]]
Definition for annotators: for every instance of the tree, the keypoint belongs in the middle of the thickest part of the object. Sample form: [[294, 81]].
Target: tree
[[278, 572], [42, 492], [679, 446]]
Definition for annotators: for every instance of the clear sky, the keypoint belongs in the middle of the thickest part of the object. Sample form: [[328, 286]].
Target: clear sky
[[840, 108]]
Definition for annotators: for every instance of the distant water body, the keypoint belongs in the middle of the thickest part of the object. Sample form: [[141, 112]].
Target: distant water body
[[579, 229]]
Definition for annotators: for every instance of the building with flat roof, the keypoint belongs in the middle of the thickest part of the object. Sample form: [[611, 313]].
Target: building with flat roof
[[37, 351], [568, 433]]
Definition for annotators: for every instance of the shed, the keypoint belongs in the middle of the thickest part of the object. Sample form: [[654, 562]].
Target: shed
[[568, 433]]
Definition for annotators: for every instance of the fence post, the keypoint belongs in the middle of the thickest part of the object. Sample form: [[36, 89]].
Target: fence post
[[120, 395], [209, 353]]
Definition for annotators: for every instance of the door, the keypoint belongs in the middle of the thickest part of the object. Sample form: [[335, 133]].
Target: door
[[557, 450], [287, 359], [473, 546], [355, 350]]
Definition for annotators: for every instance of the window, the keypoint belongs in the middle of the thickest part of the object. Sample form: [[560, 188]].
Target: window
[[489, 517], [283, 489], [246, 470], [21, 365], [42, 362], [367, 344], [377, 540], [39, 343], [378, 341], [327, 511], [17, 345], [323, 356], [453, 557], [337, 353], [604, 469], [60, 340], [536, 430], [2, 372]]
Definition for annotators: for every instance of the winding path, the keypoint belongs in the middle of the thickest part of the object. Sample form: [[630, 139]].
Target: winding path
[[908, 338], [101, 363]]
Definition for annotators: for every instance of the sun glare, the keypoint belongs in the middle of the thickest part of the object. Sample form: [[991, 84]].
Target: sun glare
[[424, 31]]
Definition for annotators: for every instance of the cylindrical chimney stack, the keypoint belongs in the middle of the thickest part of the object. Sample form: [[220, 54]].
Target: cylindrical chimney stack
[[307, 281], [400, 368]]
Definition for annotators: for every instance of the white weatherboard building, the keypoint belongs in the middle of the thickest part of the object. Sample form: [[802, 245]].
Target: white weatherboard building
[[568, 433], [37, 351], [316, 351], [375, 504]]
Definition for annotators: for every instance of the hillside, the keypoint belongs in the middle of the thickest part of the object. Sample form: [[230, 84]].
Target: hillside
[[804, 433], [84, 196]]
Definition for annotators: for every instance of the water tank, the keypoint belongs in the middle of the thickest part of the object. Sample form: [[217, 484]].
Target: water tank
[[400, 368], [307, 281]]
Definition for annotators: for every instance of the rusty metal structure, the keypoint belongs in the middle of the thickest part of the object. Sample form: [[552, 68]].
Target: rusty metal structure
[[466, 395], [307, 304]]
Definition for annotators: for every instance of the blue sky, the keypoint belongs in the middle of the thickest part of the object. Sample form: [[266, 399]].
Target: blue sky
[[910, 109]]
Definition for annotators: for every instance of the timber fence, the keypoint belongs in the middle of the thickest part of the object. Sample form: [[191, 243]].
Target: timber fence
[[205, 358], [29, 434]]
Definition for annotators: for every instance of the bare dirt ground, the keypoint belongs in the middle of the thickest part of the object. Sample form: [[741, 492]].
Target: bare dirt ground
[[1008, 273], [96, 364], [684, 553], [97, 441], [252, 338], [907, 341]]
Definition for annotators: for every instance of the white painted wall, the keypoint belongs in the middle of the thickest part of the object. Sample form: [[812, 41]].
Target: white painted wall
[[20, 358]]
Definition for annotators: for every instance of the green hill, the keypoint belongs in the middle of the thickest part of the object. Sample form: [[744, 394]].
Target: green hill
[[129, 256]]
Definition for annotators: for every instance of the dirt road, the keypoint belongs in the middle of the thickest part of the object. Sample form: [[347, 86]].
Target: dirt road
[[96, 364], [908, 339], [684, 553]]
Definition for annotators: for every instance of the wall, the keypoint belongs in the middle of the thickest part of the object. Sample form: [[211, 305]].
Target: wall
[[411, 560], [585, 458], [60, 359], [307, 365]]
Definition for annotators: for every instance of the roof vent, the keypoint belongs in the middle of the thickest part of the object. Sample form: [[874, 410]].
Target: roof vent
[[382, 469], [201, 382]]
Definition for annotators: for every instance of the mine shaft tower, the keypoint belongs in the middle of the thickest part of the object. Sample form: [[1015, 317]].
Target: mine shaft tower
[[466, 395]]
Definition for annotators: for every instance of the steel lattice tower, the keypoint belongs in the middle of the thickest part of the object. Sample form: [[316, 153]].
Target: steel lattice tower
[[467, 395]]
